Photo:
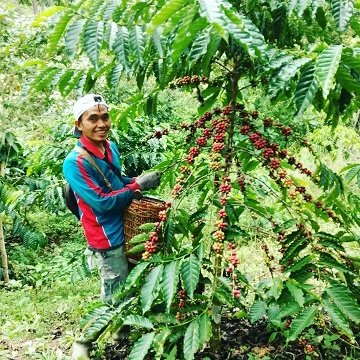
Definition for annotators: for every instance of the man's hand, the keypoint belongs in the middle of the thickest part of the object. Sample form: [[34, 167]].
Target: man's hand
[[149, 180]]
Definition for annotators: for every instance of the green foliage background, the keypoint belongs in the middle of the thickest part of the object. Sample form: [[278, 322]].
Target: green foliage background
[[297, 63]]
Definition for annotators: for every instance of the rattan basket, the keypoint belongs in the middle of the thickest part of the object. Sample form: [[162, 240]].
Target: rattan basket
[[140, 212]]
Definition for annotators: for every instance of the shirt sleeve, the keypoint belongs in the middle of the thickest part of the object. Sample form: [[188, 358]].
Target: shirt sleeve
[[88, 185]]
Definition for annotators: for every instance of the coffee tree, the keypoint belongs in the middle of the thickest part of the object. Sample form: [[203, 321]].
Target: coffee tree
[[260, 71]]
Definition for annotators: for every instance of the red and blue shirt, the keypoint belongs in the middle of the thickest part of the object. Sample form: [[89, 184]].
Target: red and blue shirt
[[100, 208]]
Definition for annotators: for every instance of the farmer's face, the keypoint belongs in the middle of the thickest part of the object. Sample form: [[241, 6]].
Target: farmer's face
[[95, 124]]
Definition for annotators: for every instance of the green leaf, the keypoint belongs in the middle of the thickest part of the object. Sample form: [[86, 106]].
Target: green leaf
[[139, 238], [72, 37], [326, 66], [141, 347], [137, 43], [355, 25], [354, 170], [136, 249], [190, 272], [337, 318], [287, 72], [346, 79], [303, 320], [285, 225], [212, 11], [257, 311], [289, 309], [305, 90], [342, 11], [135, 274], [199, 46], [47, 13], [191, 340], [122, 49], [159, 342], [328, 261], [245, 33], [70, 83], [297, 293], [186, 33], [55, 36], [98, 324], [43, 79], [293, 250], [170, 279], [165, 13], [151, 288], [93, 39], [215, 40], [344, 300], [205, 329], [137, 320], [298, 264]]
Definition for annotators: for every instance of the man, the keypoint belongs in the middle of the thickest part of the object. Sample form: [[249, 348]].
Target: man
[[100, 204]]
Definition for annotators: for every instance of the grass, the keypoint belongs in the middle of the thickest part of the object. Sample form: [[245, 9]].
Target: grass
[[40, 309]]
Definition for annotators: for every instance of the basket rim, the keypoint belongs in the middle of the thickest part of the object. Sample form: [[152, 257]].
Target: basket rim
[[155, 203]]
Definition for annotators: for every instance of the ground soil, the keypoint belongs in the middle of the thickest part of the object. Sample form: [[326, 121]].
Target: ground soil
[[241, 340]]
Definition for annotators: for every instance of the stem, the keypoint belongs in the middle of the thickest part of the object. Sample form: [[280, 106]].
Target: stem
[[215, 341]]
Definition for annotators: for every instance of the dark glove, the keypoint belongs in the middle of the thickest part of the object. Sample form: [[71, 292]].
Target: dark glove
[[149, 180]]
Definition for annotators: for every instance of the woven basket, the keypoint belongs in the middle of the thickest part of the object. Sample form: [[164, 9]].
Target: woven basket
[[140, 212]]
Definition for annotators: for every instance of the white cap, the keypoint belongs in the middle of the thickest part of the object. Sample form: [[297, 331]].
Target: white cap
[[86, 102]]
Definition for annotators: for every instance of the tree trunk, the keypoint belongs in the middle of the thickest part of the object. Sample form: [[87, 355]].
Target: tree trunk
[[35, 6], [4, 260]]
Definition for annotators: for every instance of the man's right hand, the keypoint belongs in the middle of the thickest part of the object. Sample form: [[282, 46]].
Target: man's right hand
[[149, 180]]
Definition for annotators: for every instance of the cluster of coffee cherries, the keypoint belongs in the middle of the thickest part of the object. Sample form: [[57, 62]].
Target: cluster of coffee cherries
[[272, 156], [189, 80], [233, 262], [182, 295], [155, 235]]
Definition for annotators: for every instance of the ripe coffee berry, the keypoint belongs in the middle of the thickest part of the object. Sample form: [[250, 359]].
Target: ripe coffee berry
[[282, 154], [291, 160], [268, 122], [219, 137], [227, 110], [260, 144], [286, 131], [222, 214], [274, 163], [221, 225], [268, 153], [219, 235], [194, 151], [218, 147], [225, 188], [245, 129], [217, 246], [255, 114], [201, 141], [162, 215], [254, 137], [207, 133]]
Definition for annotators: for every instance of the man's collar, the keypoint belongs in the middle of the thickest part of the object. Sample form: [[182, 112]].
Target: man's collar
[[89, 146]]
